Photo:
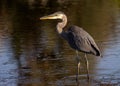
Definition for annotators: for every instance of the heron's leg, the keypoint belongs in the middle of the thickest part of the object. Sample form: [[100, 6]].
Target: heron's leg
[[87, 64], [78, 66]]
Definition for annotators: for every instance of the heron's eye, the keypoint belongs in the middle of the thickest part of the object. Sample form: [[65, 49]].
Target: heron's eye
[[56, 15]]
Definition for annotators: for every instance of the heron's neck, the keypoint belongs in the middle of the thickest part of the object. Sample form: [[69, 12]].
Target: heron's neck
[[61, 25]]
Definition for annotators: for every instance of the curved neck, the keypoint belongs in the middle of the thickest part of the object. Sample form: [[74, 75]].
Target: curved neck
[[62, 24]]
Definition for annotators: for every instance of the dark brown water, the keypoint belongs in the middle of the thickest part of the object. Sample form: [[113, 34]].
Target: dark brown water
[[33, 54]]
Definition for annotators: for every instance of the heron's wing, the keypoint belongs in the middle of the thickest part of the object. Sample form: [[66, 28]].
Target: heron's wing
[[80, 40], [94, 46]]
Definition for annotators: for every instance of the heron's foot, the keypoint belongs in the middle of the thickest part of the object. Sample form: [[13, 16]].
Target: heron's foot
[[77, 79], [88, 77]]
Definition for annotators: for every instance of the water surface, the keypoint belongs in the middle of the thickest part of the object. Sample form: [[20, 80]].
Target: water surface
[[32, 53]]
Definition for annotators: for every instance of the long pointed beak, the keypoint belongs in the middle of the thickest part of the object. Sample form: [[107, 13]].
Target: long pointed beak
[[46, 17], [52, 16]]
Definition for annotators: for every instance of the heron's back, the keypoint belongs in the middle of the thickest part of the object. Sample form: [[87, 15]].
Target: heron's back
[[80, 40]]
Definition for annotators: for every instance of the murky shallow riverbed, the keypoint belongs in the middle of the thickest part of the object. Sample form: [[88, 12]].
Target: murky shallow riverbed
[[32, 53]]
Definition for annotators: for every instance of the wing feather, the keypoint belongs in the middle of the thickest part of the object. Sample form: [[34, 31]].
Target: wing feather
[[80, 40]]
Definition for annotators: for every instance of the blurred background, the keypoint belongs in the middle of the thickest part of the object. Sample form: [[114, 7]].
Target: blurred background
[[33, 54]]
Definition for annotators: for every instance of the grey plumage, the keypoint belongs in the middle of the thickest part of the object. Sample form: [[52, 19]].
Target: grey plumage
[[76, 37], [80, 40]]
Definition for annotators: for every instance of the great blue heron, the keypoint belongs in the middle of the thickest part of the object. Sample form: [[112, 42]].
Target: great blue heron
[[76, 37]]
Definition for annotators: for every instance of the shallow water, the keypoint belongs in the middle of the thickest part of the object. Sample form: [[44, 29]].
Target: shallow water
[[33, 54]]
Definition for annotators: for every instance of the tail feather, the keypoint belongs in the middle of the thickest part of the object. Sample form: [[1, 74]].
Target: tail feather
[[97, 51]]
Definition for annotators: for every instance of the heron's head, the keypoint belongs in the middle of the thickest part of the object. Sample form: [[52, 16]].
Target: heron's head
[[56, 15]]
